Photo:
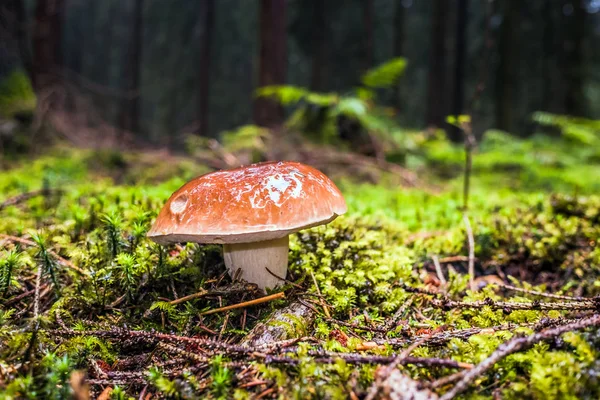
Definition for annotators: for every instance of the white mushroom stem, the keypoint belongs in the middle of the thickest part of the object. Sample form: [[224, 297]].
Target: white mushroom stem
[[254, 259]]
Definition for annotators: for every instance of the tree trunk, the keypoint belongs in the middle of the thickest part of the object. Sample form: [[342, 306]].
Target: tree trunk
[[398, 45], [436, 92], [368, 34], [549, 47], [319, 46], [21, 35], [573, 68], [458, 93], [273, 59], [505, 76], [207, 12], [130, 117], [47, 43]]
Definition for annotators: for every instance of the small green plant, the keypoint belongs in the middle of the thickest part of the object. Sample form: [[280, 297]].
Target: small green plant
[[9, 264], [16, 94], [221, 378], [113, 225], [47, 261], [327, 117]]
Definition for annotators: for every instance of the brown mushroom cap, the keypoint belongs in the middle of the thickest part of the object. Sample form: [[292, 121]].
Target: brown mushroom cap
[[254, 203]]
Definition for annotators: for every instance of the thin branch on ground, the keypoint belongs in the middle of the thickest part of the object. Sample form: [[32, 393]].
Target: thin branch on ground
[[471, 242], [438, 270], [248, 303], [384, 375], [511, 306], [515, 345], [223, 291], [26, 196], [542, 294]]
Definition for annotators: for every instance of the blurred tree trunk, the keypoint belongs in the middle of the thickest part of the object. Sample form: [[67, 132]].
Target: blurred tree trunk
[[21, 35], [458, 94], [130, 116], [273, 59], [398, 45], [368, 36], [574, 21], [76, 52], [506, 74], [549, 46], [107, 43], [207, 12], [436, 91], [47, 55], [319, 45]]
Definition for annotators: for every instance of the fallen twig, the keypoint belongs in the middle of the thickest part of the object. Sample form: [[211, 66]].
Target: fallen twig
[[542, 294], [471, 242], [438, 270], [236, 288], [514, 345], [23, 295], [384, 375], [276, 327], [26, 196], [510, 306], [248, 303]]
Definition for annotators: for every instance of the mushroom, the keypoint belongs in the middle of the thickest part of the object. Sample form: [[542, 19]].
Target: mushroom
[[251, 210]]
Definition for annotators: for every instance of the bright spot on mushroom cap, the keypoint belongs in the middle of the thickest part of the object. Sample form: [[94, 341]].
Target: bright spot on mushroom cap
[[252, 203]]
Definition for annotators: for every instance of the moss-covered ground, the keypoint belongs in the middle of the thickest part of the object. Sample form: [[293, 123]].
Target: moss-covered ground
[[83, 289]]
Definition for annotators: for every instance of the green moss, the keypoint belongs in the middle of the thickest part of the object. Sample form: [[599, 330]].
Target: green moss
[[364, 263]]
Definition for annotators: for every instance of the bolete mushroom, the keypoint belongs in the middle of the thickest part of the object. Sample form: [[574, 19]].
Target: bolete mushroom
[[251, 210]]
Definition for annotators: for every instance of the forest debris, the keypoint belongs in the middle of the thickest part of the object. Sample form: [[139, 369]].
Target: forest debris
[[471, 241], [23, 295], [248, 303], [281, 325], [222, 291], [538, 293], [438, 270], [106, 394], [365, 346], [80, 388], [26, 196], [382, 379], [60, 259], [397, 386], [321, 300], [511, 306], [518, 344]]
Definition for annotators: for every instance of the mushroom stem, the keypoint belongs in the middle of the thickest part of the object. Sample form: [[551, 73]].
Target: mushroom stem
[[254, 259]]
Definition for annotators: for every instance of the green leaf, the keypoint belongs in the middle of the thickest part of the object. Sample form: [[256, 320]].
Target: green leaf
[[384, 75]]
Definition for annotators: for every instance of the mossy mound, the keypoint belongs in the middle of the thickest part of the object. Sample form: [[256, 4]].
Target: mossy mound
[[105, 293]]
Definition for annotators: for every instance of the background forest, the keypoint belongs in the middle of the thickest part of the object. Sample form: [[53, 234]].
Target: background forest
[[464, 136], [162, 70]]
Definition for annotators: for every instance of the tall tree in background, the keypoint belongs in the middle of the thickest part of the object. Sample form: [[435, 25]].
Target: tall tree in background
[[21, 35], [47, 43], [398, 50], [572, 62], [367, 61], [549, 47], [458, 92], [436, 90], [130, 115], [273, 59], [319, 35], [207, 12], [506, 75]]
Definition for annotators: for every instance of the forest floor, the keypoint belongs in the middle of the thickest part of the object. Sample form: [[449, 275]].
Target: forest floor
[[377, 303]]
